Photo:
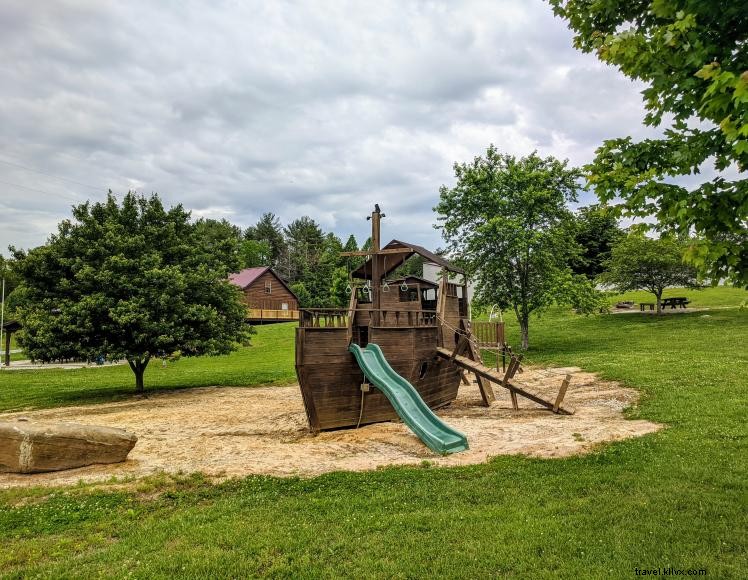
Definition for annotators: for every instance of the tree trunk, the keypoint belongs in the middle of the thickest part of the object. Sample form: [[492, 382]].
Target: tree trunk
[[138, 368], [524, 326], [659, 302], [139, 387]]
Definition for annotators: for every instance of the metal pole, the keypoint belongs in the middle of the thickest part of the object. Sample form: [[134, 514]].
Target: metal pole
[[2, 309]]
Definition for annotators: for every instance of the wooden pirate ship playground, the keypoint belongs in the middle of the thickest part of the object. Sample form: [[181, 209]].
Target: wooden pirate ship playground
[[401, 349]]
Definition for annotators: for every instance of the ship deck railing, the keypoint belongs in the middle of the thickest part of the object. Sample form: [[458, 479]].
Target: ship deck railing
[[383, 317]]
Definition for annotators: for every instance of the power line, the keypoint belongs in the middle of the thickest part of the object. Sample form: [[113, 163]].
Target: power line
[[38, 190], [25, 167]]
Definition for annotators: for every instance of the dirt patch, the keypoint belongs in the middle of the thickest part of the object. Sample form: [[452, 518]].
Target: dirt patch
[[226, 432]]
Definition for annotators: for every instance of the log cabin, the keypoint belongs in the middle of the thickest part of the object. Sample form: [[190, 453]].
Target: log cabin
[[268, 297]]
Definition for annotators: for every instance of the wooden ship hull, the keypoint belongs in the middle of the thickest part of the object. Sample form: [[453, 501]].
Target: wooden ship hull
[[330, 379]]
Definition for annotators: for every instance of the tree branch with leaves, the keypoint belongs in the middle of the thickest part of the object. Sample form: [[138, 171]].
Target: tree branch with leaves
[[693, 57]]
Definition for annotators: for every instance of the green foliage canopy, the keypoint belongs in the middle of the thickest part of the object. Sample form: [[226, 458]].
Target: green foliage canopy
[[595, 231], [131, 281], [507, 221], [268, 232], [255, 253], [221, 244], [693, 56]]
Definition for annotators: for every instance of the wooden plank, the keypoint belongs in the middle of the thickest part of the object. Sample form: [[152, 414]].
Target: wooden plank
[[491, 375]]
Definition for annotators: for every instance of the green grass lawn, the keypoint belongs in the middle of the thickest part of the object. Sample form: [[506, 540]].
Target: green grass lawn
[[268, 361], [676, 498]]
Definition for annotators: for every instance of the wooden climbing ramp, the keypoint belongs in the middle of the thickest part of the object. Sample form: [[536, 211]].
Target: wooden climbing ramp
[[484, 373]]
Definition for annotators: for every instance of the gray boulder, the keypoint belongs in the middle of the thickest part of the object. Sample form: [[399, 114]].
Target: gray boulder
[[29, 447]]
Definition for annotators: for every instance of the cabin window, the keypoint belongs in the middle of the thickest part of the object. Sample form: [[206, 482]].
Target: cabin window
[[284, 306], [409, 295], [268, 287], [429, 294], [424, 368]]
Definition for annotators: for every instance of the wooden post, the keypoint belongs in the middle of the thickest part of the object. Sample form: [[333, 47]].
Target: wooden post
[[468, 309], [460, 347], [513, 366], [561, 393], [7, 348], [375, 275], [484, 385], [351, 313], [517, 361], [441, 309], [515, 404]]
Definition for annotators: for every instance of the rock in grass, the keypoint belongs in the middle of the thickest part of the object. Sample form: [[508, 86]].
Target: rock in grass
[[27, 447]]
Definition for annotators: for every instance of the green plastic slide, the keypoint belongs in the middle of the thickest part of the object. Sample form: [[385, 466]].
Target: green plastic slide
[[408, 404]]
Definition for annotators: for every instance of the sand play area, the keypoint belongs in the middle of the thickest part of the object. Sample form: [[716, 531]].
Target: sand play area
[[233, 431]]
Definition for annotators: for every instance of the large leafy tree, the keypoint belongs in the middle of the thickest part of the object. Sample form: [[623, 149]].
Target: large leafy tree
[[269, 232], [328, 271], [131, 281], [221, 243], [596, 231], [254, 253], [641, 263], [507, 220], [693, 57], [305, 241]]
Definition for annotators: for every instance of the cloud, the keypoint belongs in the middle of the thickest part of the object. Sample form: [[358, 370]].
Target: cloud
[[235, 109]]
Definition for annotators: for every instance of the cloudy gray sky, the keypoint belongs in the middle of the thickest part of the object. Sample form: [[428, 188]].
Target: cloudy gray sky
[[316, 108]]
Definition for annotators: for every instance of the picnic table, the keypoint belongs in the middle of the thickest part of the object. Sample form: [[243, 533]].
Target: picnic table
[[675, 302]]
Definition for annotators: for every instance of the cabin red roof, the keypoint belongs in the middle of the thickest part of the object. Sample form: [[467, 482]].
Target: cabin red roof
[[247, 276]]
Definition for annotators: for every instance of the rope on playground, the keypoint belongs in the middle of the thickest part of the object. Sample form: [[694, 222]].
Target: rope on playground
[[543, 372]]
